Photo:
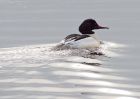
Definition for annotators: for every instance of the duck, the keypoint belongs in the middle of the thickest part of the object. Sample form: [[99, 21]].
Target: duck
[[87, 38]]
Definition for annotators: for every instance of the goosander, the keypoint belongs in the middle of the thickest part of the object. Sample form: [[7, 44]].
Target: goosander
[[87, 38]]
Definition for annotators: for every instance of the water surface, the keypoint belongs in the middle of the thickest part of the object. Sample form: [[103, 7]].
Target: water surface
[[29, 69]]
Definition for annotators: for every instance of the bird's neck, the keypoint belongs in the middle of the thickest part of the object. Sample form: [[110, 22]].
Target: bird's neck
[[94, 36]]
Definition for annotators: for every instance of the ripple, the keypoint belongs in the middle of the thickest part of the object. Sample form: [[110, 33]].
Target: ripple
[[42, 73]]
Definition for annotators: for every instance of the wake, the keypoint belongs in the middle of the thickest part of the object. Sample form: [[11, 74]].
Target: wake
[[45, 53]]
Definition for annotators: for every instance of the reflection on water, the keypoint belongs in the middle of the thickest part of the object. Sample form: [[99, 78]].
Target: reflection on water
[[36, 72]]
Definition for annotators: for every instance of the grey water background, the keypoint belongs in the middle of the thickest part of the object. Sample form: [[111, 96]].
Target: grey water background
[[34, 22]]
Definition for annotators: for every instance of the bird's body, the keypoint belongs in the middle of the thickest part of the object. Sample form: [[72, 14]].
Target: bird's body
[[81, 41]]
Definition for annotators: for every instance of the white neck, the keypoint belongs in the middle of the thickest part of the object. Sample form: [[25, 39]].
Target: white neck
[[93, 36]]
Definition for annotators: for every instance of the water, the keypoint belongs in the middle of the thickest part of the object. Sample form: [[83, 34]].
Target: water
[[29, 69]]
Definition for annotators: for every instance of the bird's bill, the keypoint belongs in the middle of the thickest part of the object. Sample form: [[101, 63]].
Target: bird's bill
[[102, 27]]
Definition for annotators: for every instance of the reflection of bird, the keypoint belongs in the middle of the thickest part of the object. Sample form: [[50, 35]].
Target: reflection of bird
[[87, 39]]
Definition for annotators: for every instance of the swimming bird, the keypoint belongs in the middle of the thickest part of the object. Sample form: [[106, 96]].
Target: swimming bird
[[87, 38]]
